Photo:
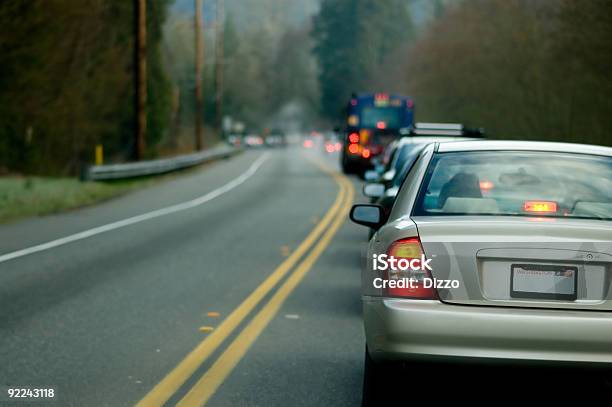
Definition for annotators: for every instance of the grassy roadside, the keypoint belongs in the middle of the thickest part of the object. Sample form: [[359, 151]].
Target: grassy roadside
[[25, 196], [22, 197]]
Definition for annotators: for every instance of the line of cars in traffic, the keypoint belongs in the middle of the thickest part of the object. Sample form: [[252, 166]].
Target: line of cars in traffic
[[267, 138], [522, 228], [391, 167]]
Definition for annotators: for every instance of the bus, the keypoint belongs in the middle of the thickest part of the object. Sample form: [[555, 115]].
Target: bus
[[372, 121]]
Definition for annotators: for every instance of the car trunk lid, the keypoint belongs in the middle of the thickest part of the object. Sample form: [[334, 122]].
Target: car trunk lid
[[521, 261]]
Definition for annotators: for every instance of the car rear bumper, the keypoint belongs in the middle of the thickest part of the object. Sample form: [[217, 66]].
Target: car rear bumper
[[399, 329]]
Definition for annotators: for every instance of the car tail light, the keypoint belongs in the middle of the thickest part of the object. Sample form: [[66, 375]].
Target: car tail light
[[366, 153], [486, 185], [353, 149], [338, 146], [354, 138], [329, 148], [540, 206], [308, 143], [409, 249], [381, 125]]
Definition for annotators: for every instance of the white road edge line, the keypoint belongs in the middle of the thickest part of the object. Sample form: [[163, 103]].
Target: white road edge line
[[140, 218]]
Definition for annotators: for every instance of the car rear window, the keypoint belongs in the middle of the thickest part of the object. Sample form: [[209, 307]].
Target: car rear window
[[517, 183]]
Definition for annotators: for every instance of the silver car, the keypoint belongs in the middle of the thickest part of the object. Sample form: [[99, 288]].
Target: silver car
[[502, 251]]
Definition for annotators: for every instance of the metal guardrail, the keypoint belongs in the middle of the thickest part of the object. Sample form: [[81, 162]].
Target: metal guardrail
[[153, 167]]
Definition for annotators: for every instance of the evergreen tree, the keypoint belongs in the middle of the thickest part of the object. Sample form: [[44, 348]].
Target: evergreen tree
[[66, 81], [352, 40]]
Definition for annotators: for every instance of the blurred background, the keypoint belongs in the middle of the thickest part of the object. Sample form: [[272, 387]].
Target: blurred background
[[519, 68]]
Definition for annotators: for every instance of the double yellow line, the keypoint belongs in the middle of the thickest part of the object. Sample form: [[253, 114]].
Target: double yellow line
[[206, 386]]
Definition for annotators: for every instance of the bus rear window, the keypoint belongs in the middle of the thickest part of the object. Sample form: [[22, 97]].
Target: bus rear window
[[381, 117]]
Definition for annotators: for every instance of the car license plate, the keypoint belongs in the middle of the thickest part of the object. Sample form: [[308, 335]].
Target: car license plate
[[541, 281]]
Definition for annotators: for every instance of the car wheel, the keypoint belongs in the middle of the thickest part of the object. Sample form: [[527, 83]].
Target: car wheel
[[373, 389]]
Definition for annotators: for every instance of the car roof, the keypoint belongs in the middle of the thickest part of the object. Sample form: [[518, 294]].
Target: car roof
[[514, 145]]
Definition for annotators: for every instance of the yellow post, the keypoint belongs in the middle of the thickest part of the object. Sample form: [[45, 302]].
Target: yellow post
[[99, 154]]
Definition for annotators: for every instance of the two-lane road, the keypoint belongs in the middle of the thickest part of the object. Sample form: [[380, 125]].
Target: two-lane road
[[236, 284], [256, 248]]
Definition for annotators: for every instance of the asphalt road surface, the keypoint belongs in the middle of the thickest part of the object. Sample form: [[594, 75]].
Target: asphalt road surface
[[246, 293], [235, 284]]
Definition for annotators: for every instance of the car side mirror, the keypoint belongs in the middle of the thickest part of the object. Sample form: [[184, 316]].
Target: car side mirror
[[367, 215], [371, 176], [373, 190]]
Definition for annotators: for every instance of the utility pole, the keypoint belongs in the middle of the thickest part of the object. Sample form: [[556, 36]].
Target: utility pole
[[219, 63], [140, 91], [199, 55]]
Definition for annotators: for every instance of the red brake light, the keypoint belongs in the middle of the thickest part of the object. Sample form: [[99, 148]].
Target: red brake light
[[354, 138], [308, 143], [381, 125], [366, 153], [353, 149], [409, 249], [329, 148], [486, 185], [381, 96], [540, 206], [338, 146]]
